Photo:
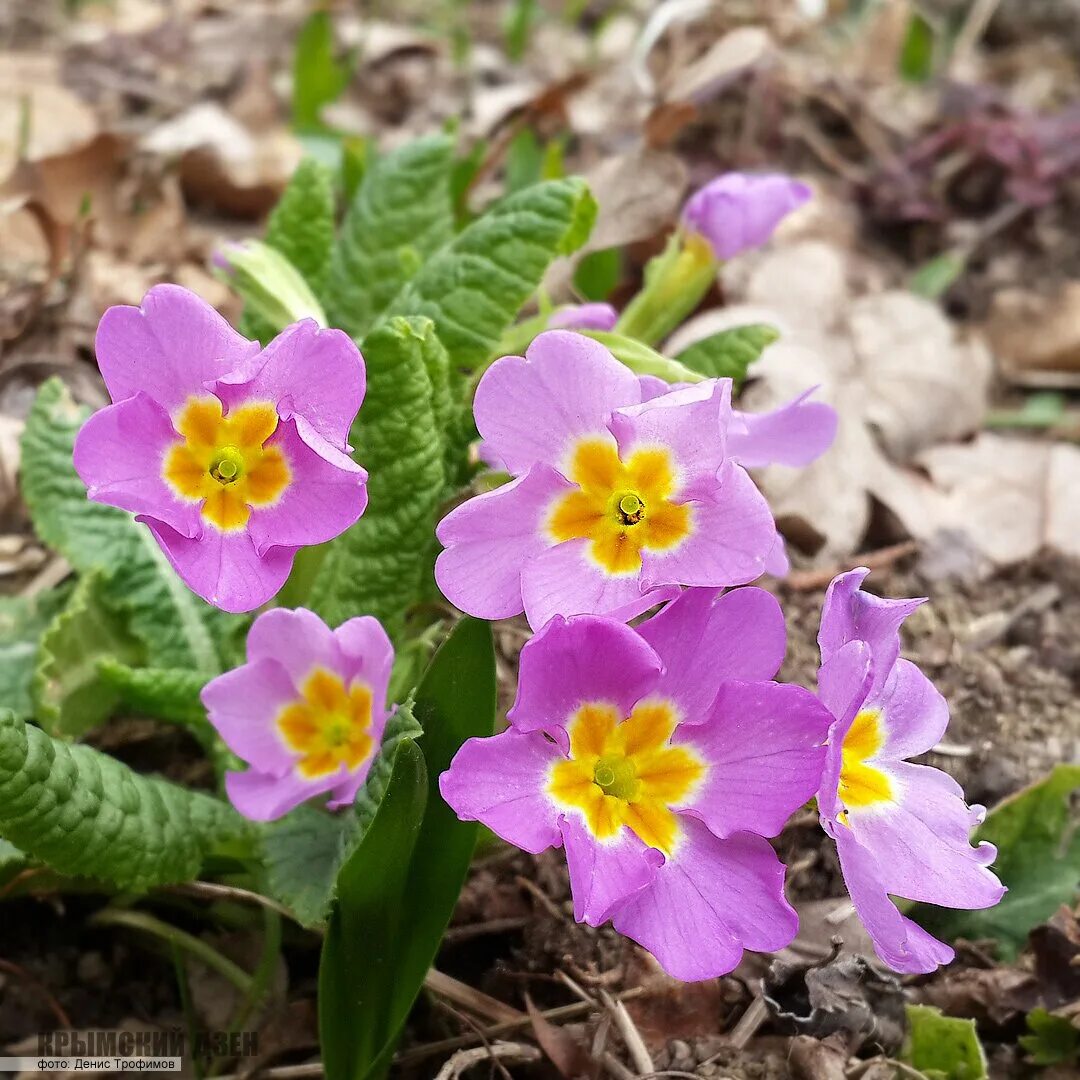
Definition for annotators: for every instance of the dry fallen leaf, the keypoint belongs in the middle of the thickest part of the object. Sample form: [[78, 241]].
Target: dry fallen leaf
[[1034, 333]]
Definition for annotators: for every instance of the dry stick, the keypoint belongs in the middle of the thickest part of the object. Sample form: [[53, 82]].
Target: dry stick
[[465, 1059], [756, 1015], [806, 580], [978, 19], [464, 995], [635, 1044]]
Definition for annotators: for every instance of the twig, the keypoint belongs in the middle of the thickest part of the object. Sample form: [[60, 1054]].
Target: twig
[[465, 1059], [756, 1015], [807, 580], [456, 934], [464, 995], [978, 19], [208, 890], [635, 1044], [21, 973]]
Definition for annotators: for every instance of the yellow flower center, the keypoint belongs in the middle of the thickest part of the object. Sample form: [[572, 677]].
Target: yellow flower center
[[624, 772], [863, 785], [623, 508], [223, 462], [329, 726]]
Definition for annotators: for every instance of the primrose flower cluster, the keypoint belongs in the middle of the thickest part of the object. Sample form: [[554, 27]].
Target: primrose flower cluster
[[662, 757]]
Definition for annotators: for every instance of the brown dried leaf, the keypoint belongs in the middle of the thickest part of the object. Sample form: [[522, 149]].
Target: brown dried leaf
[[564, 1051]]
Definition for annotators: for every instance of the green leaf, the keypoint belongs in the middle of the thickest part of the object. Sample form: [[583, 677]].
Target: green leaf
[[917, 51], [642, 360], [178, 629], [172, 695], [943, 1046], [318, 76], [86, 814], [70, 695], [303, 851], [1041, 410], [401, 214], [23, 620], [524, 161], [1053, 1039], [1038, 859], [728, 354], [377, 566], [934, 278], [473, 287], [598, 273], [369, 922], [301, 227]]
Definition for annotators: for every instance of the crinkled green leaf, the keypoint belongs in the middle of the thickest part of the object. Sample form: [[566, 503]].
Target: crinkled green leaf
[[178, 629], [23, 620], [86, 814], [473, 287], [401, 214], [1053, 1039], [368, 923], [70, 695], [377, 566], [301, 227], [943, 1046], [303, 851], [1038, 841], [728, 354], [172, 695]]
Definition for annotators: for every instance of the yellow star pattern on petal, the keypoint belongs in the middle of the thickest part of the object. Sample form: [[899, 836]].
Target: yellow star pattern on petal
[[223, 462], [622, 508], [624, 772], [329, 726], [863, 785]]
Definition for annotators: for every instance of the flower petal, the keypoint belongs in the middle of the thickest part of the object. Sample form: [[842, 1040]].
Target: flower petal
[[795, 434], [914, 713], [298, 640], [224, 568], [922, 841], [532, 409], [321, 500], [850, 614], [260, 797], [763, 743], [731, 536], [489, 539], [502, 782], [367, 653], [689, 423], [709, 901], [243, 705], [704, 641], [170, 348], [119, 455], [307, 372], [578, 660], [594, 316], [843, 682], [900, 943], [605, 874]]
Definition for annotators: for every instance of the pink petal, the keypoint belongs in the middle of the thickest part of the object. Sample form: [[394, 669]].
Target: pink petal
[[914, 713], [321, 501], [795, 434], [171, 347], [843, 682], [731, 535], [224, 568], [901, 943], [491, 538], [689, 423], [764, 745], [595, 316], [298, 640], [605, 874], [565, 581], [578, 660], [922, 844], [502, 781], [367, 653], [850, 614], [260, 797], [119, 454], [709, 901], [244, 704], [533, 409], [704, 641], [311, 373]]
